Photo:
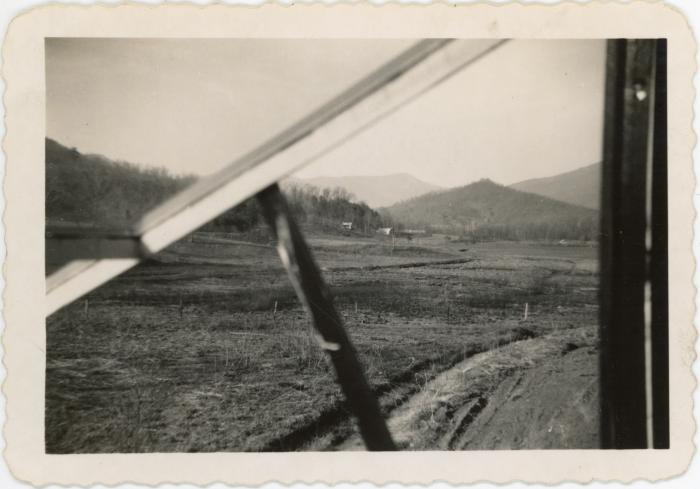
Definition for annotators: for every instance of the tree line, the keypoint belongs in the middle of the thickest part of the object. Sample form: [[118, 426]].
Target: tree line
[[318, 208], [584, 229]]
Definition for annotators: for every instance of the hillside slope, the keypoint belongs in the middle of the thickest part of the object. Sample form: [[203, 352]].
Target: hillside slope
[[487, 210], [377, 191], [94, 190], [578, 187]]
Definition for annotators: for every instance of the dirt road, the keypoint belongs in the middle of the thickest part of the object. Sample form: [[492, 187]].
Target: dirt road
[[536, 393]]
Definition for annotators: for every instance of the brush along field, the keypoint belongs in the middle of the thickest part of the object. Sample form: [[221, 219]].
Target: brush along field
[[206, 348]]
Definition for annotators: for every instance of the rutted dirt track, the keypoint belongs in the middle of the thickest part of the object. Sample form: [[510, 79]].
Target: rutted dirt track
[[335, 429], [534, 393]]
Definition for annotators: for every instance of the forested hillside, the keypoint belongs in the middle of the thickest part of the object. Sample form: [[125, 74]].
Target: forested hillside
[[486, 210], [93, 190], [96, 191]]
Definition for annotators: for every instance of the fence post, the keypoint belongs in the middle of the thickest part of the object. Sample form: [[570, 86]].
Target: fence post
[[316, 298]]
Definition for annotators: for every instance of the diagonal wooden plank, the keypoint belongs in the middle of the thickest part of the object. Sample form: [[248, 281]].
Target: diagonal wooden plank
[[397, 83], [316, 297]]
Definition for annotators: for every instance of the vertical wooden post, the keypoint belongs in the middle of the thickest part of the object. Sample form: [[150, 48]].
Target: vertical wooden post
[[623, 254], [659, 257], [316, 298]]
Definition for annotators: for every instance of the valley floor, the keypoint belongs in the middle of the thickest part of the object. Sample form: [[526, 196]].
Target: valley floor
[[206, 348]]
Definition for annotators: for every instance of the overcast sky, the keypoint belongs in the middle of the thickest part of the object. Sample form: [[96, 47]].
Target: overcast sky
[[529, 109]]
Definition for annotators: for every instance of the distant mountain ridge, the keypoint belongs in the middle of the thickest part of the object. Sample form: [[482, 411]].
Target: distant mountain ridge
[[487, 210], [376, 191], [579, 187]]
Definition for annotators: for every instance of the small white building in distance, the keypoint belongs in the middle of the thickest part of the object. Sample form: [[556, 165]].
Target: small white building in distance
[[385, 231], [347, 225]]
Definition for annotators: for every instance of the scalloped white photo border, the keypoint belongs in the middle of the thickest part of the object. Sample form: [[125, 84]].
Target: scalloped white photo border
[[25, 294]]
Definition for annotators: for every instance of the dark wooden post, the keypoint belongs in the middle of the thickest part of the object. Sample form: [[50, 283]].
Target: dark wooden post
[[316, 298], [628, 143]]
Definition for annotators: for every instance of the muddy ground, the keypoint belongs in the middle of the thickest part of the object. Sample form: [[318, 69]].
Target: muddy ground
[[206, 348]]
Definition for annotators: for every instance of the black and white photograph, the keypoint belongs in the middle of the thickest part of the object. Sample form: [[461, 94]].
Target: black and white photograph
[[277, 245], [348, 244]]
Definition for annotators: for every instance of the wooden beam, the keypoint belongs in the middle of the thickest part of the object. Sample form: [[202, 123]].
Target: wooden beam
[[317, 300], [397, 83], [83, 275], [623, 251]]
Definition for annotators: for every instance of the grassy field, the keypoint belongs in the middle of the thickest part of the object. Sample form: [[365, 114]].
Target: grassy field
[[206, 348]]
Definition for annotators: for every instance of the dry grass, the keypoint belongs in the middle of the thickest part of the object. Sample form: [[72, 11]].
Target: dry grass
[[226, 372]]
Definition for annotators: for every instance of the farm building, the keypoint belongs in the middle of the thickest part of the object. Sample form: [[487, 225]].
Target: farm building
[[385, 231], [347, 225]]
